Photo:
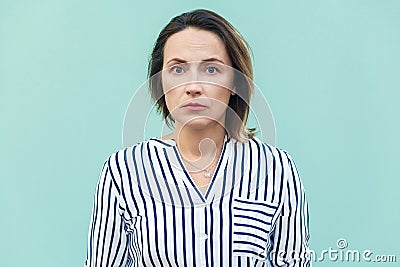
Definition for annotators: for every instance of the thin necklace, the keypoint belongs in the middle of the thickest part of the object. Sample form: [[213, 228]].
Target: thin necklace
[[206, 170]]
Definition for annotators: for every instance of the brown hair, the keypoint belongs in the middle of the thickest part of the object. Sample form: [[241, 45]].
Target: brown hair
[[239, 54]]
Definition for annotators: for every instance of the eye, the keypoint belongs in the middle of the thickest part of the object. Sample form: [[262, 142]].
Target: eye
[[177, 69], [211, 70]]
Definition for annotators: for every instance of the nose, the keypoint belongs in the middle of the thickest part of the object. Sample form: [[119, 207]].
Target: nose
[[194, 88]]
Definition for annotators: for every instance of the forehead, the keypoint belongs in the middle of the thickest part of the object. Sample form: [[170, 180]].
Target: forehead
[[195, 45]]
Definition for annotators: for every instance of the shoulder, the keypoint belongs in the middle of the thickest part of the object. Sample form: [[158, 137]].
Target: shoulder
[[278, 161], [270, 151], [124, 159], [140, 147]]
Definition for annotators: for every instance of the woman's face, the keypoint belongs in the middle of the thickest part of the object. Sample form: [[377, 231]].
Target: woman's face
[[197, 78]]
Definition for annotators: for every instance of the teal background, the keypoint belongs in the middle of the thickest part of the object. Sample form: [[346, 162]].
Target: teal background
[[329, 69]]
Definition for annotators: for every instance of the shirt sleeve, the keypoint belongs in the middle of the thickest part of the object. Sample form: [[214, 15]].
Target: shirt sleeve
[[290, 239], [107, 241]]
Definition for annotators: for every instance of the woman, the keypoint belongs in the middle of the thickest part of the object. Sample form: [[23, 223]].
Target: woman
[[210, 193]]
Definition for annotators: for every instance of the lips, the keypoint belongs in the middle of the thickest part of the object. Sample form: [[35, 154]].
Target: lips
[[194, 106]]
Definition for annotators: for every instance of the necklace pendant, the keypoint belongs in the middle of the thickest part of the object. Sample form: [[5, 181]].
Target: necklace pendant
[[207, 174]]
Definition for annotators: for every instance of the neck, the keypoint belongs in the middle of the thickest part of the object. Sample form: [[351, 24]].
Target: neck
[[198, 145]]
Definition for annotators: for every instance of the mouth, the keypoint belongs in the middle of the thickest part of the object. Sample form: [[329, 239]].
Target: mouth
[[194, 106]]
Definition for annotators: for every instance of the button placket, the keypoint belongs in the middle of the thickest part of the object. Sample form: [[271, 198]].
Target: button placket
[[204, 236]]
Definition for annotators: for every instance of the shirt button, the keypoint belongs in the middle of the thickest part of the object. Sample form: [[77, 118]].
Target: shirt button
[[204, 236]]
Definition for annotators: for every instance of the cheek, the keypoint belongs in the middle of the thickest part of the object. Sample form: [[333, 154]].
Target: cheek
[[169, 95], [171, 99], [222, 95]]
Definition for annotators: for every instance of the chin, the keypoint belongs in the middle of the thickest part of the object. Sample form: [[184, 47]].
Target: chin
[[199, 123]]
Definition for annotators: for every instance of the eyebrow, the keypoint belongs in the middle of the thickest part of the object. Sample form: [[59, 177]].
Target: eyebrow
[[212, 59]]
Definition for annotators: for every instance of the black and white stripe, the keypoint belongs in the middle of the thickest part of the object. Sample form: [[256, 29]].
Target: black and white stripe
[[148, 212]]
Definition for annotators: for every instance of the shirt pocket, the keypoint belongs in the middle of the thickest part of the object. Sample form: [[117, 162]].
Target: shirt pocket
[[252, 222]]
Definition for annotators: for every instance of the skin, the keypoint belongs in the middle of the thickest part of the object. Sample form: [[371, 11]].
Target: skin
[[192, 58]]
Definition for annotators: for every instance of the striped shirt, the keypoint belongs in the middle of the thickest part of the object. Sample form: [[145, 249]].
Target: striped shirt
[[147, 210]]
